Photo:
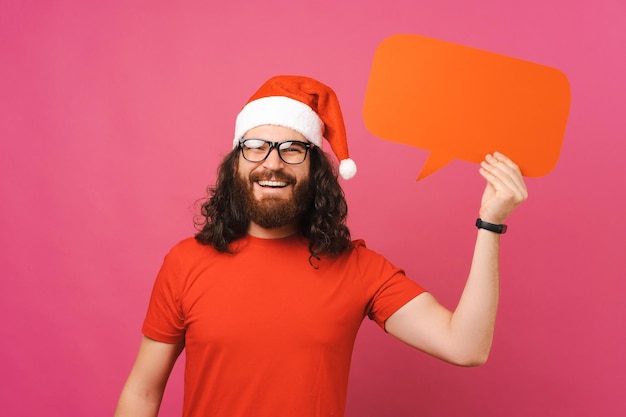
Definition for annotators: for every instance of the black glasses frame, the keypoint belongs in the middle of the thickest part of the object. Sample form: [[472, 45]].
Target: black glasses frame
[[276, 145]]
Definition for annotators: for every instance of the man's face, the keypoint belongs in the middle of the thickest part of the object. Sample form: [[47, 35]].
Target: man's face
[[274, 193]]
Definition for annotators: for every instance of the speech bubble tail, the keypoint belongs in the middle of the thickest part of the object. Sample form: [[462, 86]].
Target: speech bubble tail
[[434, 163]]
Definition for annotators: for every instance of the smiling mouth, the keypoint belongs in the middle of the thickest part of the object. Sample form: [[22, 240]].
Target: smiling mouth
[[272, 184]]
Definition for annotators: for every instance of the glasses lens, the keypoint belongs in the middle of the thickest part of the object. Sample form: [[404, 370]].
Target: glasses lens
[[292, 152], [255, 150]]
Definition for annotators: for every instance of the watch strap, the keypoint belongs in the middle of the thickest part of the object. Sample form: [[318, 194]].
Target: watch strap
[[496, 228]]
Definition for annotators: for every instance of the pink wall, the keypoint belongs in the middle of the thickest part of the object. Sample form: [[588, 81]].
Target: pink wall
[[112, 119]]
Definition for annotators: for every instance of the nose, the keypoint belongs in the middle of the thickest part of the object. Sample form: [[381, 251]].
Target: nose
[[273, 161]]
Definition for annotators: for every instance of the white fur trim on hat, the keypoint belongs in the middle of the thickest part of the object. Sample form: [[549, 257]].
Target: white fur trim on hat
[[280, 111]]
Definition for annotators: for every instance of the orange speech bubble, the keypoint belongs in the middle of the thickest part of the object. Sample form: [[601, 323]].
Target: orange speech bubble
[[463, 103]]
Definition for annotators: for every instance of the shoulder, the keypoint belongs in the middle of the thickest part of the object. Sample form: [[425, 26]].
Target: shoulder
[[184, 257], [359, 248], [364, 258], [189, 243], [190, 248], [358, 243]]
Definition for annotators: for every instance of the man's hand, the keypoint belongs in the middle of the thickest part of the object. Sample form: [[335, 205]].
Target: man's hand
[[505, 188]]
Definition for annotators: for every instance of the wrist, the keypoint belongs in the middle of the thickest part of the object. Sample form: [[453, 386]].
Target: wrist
[[492, 227]]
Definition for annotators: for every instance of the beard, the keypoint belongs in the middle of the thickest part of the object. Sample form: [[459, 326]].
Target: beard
[[272, 212]]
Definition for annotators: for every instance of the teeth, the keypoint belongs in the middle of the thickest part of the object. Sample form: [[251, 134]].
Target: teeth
[[272, 183]]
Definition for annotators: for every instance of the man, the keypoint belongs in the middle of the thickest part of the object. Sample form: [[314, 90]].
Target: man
[[268, 297]]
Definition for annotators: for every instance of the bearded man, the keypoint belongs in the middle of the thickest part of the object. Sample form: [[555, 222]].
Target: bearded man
[[267, 299]]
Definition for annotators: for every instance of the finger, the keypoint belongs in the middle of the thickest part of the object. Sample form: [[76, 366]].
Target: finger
[[503, 178], [506, 171], [515, 172], [505, 159]]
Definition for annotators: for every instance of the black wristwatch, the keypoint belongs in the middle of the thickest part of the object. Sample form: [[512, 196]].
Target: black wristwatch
[[496, 228]]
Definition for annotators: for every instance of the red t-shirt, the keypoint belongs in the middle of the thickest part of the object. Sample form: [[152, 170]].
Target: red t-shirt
[[266, 334]]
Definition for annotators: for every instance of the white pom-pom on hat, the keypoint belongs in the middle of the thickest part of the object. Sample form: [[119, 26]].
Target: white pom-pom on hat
[[347, 169]]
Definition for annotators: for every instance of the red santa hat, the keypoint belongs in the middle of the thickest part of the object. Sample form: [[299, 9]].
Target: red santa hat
[[304, 105]]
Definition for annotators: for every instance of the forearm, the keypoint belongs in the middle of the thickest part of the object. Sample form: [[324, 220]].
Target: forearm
[[462, 337], [143, 391], [472, 323], [134, 404]]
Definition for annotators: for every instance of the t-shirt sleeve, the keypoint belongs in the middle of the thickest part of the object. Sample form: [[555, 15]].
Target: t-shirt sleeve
[[164, 320], [387, 286]]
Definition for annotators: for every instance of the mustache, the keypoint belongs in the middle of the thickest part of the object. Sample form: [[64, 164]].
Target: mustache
[[272, 175]]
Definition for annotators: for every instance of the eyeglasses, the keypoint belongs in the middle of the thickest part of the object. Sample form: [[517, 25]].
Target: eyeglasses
[[291, 152]]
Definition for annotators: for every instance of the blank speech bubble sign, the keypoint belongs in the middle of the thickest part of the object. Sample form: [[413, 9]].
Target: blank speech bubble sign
[[462, 103]]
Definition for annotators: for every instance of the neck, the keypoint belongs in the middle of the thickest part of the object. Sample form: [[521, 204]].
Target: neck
[[275, 233]]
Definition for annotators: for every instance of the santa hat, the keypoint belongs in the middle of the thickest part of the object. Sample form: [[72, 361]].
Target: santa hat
[[304, 105]]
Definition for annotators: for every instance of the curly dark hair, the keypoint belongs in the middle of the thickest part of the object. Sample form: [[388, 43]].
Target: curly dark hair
[[222, 219]]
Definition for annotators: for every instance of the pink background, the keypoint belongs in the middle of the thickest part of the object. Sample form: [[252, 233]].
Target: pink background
[[112, 120]]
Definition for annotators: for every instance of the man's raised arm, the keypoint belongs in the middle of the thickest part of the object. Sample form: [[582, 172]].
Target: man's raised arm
[[464, 337]]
